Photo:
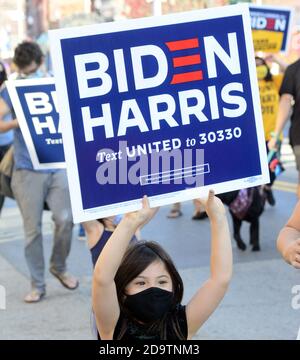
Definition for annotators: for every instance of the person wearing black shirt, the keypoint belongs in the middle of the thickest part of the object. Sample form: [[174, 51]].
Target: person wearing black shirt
[[289, 101]]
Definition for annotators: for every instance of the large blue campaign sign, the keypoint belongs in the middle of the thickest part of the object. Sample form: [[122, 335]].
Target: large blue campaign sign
[[165, 106], [34, 102]]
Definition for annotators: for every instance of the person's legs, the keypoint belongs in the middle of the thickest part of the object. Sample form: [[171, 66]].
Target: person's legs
[[175, 211], [58, 201], [29, 191], [199, 211], [237, 224], [268, 187], [2, 198], [254, 234], [269, 195]]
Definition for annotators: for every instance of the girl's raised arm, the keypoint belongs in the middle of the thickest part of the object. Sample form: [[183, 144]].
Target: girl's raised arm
[[104, 292], [208, 297]]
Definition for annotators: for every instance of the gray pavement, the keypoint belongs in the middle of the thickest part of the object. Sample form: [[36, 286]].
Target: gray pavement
[[257, 305]]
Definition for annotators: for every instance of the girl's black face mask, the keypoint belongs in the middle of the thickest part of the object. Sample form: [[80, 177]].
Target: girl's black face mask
[[149, 305]]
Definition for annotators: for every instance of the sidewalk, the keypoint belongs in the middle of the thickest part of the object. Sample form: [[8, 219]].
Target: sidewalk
[[244, 313], [257, 305]]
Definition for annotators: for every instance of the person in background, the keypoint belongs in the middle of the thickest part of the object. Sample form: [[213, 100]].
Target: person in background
[[81, 233], [6, 139], [269, 86], [199, 211], [3, 73], [32, 189], [99, 231], [289, 108]]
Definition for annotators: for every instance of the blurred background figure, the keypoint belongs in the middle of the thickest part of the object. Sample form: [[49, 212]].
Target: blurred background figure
[[199, 211], [99, 231], [81, 233], [289, 108], [3, 73], [269, 86], [33, 188], [6, 139]]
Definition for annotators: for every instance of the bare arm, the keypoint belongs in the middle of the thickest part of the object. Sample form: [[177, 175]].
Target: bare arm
[[288, 242], [208, 297], [104, 292], [94, 230], [275, 58], [6, 125], [285, 105]]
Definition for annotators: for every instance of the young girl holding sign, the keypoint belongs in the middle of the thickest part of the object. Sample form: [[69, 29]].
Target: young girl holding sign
[[137, 291]]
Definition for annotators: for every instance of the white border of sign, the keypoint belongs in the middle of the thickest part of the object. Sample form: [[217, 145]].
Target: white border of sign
[[11, 87], [79, 214], [282, 8]]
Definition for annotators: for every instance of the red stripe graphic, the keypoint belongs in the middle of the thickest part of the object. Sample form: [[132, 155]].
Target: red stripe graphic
[[270, 24], [187, 77], [186, 60], [183, 44]]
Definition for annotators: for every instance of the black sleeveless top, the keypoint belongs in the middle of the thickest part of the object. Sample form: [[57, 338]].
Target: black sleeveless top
[[135, 331], [96, 249]]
